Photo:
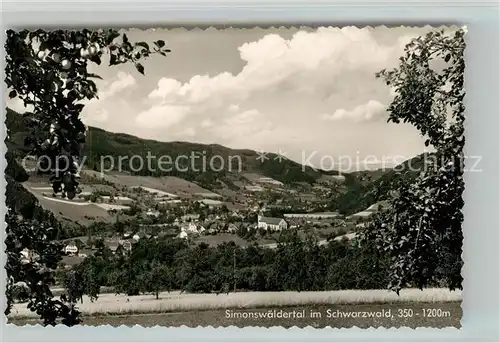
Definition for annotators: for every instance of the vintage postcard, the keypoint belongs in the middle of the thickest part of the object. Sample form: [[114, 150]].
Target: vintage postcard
[[307, 177]]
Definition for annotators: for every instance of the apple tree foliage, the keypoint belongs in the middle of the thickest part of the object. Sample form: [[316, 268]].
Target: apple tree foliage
[[422, 230], [49, 72]]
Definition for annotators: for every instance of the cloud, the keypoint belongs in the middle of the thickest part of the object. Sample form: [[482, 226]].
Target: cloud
[[393, 92], [99, 115], [123, 81], [206, 123], [245, 123], [244, 118], [372, 110], [162, 116], [165, 88], [234, 108], [275, 63], [188, 133]]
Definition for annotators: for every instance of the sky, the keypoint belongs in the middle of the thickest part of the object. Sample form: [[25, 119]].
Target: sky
[[310, 94]]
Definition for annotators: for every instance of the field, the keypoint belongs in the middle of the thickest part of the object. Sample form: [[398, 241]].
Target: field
[[169, 184], [175, 301], [221, 238], [84, 214]]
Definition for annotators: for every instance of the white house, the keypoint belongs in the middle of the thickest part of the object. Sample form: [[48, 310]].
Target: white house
[[361, 225], [272, 224], [126, 244], [183, 235], [231, 228], [190, 217], [191, 227], [71, 249], [152, 213]]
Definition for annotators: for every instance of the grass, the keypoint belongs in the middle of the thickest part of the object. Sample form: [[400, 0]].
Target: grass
[[109, 304], [214, 240]]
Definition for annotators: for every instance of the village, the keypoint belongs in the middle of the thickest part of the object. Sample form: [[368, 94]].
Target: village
[[118, 214]]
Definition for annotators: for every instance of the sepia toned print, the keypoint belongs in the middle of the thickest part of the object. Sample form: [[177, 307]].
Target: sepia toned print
[[248, 177]]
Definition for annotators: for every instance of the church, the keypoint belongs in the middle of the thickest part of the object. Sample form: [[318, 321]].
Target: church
[[272, 224]]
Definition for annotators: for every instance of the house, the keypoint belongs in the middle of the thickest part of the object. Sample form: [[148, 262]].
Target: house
[[183, 235], [213, 227], [189, 228], [126, 244], [190, 217], [112, 245], [232, 228], [361, 225], [152, 213], [71, 249], [272, 224], [28, 255], [120, 245]]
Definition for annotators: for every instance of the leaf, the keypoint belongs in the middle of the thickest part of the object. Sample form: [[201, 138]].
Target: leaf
[[96, 59], [112, 34], [79, 107], [113, 60], [447, 58], [92, 86], [12, 94], [139, 68], [143, 44], [160, 43], [95, 76]]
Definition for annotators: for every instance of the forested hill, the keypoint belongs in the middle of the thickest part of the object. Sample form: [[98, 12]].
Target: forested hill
[[104, 143], [362, 195], [362, 188]]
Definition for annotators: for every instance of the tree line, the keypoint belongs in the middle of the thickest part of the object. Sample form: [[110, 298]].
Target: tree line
[[164, 264]]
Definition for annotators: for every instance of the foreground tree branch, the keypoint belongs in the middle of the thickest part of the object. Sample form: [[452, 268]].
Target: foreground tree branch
[[48, 72], [422, 230]]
